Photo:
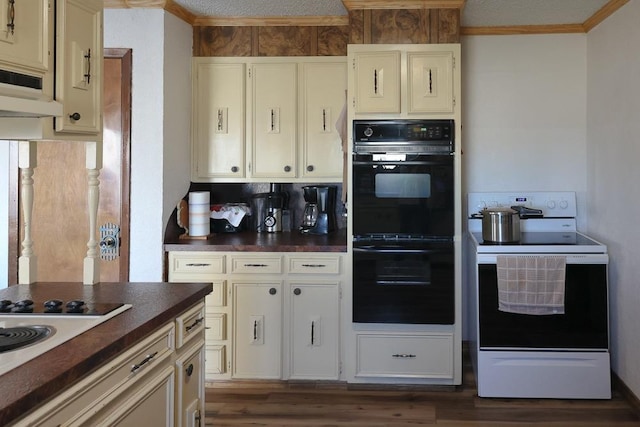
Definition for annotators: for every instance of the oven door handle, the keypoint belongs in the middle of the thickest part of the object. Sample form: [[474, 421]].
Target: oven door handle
[[394, 250], [408, 163]]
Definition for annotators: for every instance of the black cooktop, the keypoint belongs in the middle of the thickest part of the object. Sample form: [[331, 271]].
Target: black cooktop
[[541, 238], [54, 306]]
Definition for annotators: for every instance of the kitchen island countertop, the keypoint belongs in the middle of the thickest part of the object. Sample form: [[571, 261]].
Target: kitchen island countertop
[[153, 305]]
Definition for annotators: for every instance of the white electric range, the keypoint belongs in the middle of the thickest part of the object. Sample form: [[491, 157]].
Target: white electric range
[[564, 355], [29, 329]]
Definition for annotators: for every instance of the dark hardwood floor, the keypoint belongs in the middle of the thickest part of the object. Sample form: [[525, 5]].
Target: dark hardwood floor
[[256, 403]]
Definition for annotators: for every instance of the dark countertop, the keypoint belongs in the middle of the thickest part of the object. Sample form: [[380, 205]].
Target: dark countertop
[[248, 241], [154, 304]]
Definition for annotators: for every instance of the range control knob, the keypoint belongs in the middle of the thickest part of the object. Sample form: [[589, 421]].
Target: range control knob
[[551, 204], [368, 132], [564, 204]]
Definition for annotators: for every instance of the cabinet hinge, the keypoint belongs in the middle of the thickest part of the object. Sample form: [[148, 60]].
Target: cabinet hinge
[[353, 63], [454, 101], [454, 62], [249, 70]]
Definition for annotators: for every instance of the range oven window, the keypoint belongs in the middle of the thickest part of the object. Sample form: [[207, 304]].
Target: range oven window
[[405, 282], [411, 196], [584, 325]]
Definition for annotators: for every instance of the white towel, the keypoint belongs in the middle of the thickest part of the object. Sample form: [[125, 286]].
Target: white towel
[[232, 213], [531, 284]]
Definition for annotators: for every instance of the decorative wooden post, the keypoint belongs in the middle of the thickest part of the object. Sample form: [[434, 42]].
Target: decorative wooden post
[[27, 161], [91, 268]]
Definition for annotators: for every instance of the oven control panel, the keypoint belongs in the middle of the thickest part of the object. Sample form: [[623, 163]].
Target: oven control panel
[[554, 204]]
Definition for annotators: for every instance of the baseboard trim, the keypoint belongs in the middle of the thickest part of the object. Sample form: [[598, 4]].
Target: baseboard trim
[[625, 391]]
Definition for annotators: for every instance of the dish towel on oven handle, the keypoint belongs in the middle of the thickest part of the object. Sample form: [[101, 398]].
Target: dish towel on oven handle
[[531, 284]]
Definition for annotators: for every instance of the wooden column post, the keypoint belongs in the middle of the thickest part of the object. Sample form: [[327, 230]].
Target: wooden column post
[[27, 161], [91, 268]]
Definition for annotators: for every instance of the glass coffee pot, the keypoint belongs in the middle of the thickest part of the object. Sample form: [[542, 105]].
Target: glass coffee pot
[[310, 215]]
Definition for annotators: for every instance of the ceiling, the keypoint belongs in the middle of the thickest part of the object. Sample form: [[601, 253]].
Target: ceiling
[[475, 13]]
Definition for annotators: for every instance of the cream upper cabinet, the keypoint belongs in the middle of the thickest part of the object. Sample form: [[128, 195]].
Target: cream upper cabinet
[[218, 120], [323, 98], [257, 119], [273, 120], [403, 81], [430, 82], [24, 36], [78, 76], [376, 82]]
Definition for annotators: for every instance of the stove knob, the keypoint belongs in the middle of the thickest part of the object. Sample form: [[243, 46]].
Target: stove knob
[[75, 306], [551, 204], [564, 204], [5, 305], [23, 303], [52, 303]]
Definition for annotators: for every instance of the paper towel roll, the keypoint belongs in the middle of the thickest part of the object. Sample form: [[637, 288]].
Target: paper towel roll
[[200, 209], [199, 198], [199, 229]]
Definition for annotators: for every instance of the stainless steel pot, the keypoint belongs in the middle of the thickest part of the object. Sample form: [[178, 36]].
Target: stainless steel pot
[[500, 225]]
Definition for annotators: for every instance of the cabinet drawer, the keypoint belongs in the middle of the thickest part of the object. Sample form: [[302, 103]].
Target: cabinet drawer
[[215, 359], [417, 356], [78, 402], [194, 266], [218, 296], [256, 265], [189, 325], [314, 265], [216, 329]]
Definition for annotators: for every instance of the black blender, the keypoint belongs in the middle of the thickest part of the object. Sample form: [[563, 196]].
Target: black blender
[[319, 215]]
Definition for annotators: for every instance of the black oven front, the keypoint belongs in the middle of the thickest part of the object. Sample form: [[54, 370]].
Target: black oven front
[[403, 222], [583, 326]]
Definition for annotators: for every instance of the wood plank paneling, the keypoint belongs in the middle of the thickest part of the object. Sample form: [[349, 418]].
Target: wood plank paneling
[[222, 41], [376, 26], [399, 26]]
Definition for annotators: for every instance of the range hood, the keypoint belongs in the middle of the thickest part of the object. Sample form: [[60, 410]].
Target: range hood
[[23, 107]]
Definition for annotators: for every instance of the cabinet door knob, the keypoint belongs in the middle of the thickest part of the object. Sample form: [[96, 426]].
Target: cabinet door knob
[[273, 291], [310, 168], [75, 116], [234, 169], [189, 370], [297, 291], [287, 168]]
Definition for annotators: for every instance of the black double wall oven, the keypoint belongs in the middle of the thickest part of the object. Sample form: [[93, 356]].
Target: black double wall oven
[[403, 221]]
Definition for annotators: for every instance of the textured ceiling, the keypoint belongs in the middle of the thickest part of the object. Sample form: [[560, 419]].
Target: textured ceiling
[[476, 13]]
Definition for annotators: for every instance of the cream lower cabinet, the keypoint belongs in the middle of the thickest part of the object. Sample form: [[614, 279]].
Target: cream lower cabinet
[[141, 387], [274, 316]]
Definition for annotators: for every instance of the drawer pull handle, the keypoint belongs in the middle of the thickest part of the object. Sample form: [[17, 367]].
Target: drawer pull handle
[[404, 356], [313, 333], [189, 370], [198, 264], [256, 265], [314, 265], [144, 361], [194, 324]]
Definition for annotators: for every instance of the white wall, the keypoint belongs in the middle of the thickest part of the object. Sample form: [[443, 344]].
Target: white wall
[[161, 46], [613, 174], [4, 213], [524, 113]]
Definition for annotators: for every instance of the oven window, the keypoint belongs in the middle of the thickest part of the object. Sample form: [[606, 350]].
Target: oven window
[[583, 326], [403, 186]]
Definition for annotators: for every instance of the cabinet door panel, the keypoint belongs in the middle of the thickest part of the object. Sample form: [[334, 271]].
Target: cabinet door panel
[[79, 66], [219, 120], [430, 82], [377, 82], [274, 120], [315, 330], [257, 330], [324, 86], [190, 388], [24, 33]]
